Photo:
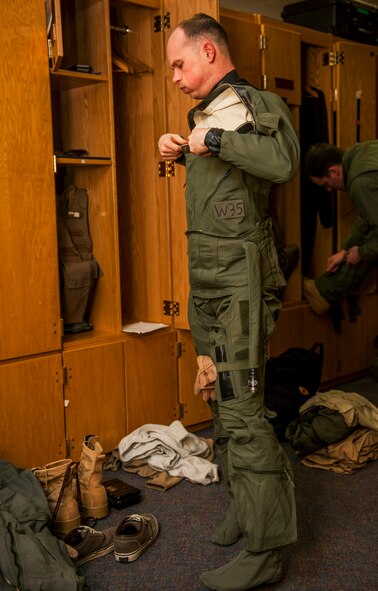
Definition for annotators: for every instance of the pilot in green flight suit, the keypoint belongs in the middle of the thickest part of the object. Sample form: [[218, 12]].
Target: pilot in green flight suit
[[242, 140], [354, 171]]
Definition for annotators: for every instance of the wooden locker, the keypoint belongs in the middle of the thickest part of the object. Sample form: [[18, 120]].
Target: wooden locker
[[29, 284], [32, 414], [94, 394], [151, 379]]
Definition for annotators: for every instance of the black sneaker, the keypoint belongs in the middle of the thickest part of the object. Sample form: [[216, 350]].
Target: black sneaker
[[90, 543], [133, 536]]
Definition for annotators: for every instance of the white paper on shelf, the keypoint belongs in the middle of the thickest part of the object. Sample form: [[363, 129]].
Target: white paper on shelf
[[143, 327]]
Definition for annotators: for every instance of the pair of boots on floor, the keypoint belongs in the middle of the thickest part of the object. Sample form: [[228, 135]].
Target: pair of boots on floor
[[73, 499]]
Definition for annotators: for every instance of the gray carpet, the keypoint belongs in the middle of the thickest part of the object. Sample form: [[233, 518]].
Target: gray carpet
[[337, 531]]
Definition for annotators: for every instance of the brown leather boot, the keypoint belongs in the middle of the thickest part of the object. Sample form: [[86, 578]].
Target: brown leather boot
[[93, 493], [56, 479], [314, 297]]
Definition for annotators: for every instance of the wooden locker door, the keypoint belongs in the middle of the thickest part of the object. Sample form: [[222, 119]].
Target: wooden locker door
[[281, 63], [32, 414], [95, 394], [281, 74], [177, 107], [243, 40], [151, 379], [139, 112], [355, 110], [29, 284], [354, 93]]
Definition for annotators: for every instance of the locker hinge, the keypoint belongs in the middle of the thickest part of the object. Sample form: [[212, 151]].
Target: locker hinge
[[55, 166], [68, 448], [264, 81], [162, 22], [179, 410], [263, 42], [167, 168], [333, 58], [179, 348], [64, 375], [171, 308]]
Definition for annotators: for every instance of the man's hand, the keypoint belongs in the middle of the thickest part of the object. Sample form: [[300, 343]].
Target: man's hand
[[196, 142], [170, 146], [335, 261], [353, 256], [206, 376]]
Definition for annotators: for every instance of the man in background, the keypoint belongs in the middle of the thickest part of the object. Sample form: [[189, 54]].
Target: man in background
[[356, 172]]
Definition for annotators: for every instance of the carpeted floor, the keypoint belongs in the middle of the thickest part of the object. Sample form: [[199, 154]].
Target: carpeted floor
[[337, 531]]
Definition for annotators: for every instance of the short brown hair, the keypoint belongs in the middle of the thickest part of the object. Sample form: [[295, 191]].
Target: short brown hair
[[202, 24], [320, 157]]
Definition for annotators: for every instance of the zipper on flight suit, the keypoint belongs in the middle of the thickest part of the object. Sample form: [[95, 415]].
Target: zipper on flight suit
[[224, 176]]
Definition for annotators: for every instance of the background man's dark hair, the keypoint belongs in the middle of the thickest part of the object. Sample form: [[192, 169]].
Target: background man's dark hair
[[203, 24], [320, 157]]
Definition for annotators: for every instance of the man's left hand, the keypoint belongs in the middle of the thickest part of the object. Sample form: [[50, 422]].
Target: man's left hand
[[352, 256], [197, 142]]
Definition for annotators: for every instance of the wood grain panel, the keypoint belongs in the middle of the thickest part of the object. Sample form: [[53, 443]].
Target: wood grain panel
[[143, 202], [32, 416], [178, 105], [282, 68], [354, 81], [151, 379], [29, 316], [95, 395]]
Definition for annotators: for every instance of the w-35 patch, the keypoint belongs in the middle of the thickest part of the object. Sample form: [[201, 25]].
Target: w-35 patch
[[226, 210]]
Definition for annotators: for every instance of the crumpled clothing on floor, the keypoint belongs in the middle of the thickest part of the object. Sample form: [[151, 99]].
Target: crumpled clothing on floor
[[346, 456], [172, 450]]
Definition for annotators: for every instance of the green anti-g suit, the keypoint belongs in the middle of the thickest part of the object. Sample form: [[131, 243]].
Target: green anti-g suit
[[235, 280], [360, 166]]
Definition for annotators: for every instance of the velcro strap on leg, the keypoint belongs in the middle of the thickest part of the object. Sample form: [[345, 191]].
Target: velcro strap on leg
[[232, 365]]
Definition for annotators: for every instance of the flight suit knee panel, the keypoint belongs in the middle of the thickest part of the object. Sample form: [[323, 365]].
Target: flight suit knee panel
[[261, 478]]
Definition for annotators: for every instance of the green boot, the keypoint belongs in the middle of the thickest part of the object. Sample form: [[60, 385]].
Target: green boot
[[247, 570]]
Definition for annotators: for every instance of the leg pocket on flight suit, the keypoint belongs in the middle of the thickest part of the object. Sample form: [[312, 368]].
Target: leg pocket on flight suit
[[230, 342]]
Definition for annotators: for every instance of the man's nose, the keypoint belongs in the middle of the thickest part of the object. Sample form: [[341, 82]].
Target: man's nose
[[176, 77]]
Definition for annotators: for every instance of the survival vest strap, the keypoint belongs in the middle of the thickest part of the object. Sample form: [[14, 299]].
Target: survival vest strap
[[79, 269]]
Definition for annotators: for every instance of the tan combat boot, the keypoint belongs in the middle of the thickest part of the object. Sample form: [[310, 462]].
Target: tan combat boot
[[93, 493], [314, 297], [56, 480]]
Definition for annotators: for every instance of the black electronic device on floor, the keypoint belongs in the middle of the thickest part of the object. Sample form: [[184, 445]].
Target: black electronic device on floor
[[121, 494]]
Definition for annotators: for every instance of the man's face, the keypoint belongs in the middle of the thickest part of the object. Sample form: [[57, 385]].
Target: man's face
[[333, 180], [189, 64]]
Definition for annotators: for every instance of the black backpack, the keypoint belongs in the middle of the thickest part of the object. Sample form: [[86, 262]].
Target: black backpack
[[290, 379]]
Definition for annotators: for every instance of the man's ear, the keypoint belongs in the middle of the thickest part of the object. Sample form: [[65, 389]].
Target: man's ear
[[209, 50], [335, 170]]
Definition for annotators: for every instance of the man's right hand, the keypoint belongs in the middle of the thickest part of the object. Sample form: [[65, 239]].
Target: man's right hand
[[170, 146], [334, 261]]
